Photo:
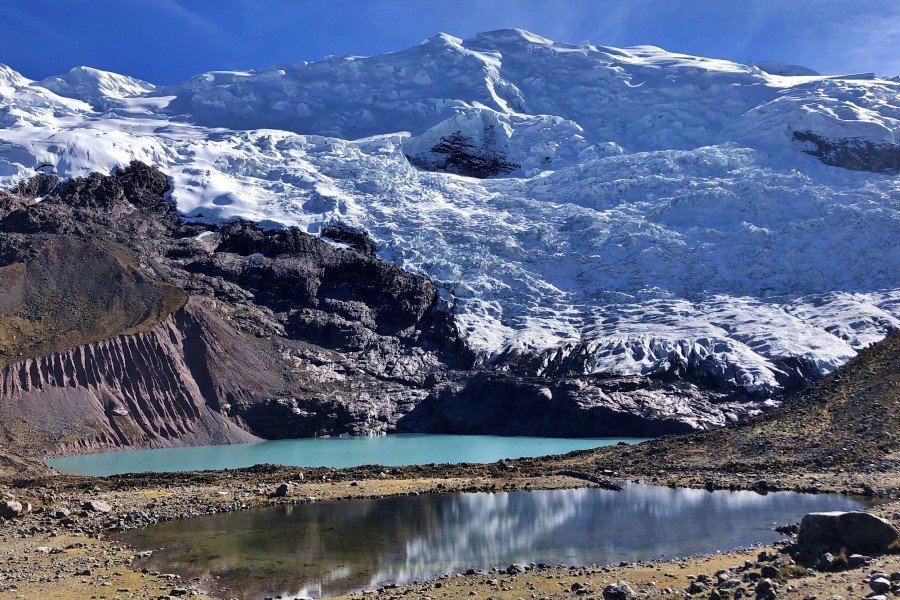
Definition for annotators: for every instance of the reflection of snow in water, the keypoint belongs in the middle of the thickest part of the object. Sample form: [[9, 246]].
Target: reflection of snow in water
[[589, 525], [317, 589], [484, 527]]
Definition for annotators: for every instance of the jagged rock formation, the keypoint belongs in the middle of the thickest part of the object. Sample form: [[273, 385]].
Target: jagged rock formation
[[455, 153], [126, 326], [855, 154]]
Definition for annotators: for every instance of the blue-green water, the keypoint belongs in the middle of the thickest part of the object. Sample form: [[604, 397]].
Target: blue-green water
[[338, 452]]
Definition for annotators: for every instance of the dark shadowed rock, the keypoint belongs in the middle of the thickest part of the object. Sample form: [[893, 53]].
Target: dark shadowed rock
[[853, 531], [358, 240], [618, 591], [855, 154], [455, 153]]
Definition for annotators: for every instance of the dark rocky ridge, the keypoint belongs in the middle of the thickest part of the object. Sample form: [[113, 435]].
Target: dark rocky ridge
[[128, 327], [854, 154], [456, 153]]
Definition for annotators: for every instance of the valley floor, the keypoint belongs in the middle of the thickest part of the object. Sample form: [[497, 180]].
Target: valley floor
[[47, 557]]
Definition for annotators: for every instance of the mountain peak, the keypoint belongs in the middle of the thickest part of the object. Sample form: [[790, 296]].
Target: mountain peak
[[95, 86], [11, 77], [512, 35]]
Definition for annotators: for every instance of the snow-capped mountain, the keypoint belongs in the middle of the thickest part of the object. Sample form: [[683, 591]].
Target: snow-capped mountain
[[94, 86], [585, 208]]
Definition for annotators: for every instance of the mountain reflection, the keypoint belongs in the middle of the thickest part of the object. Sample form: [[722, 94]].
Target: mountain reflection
[[334, 547]]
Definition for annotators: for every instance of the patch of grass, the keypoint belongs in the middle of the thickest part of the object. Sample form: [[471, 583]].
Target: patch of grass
[[793, 571], [840, 562], [74, 292], [894, 547]]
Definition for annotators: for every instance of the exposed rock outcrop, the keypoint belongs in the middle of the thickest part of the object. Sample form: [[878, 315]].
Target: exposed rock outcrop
[[456, 153], [855, 154], [502, 403]]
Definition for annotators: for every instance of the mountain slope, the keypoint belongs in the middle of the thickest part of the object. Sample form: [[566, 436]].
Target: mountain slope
[[640, 212], [842, 432], [124, 326]]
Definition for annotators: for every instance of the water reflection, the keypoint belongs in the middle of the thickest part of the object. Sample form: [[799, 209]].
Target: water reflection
[[336, 547]]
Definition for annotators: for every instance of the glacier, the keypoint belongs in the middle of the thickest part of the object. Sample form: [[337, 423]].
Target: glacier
[[632, 210]]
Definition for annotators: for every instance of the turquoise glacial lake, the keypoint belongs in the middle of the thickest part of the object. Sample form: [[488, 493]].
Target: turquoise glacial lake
[[337, 452]]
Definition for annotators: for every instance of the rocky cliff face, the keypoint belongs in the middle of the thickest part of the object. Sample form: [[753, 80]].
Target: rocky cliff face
[[855, 154], [126, 327]]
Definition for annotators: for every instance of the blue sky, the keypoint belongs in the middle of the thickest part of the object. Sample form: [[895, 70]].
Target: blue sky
[[165, 41]]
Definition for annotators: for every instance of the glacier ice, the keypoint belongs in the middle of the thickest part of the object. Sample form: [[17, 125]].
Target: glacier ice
[[654, 209]]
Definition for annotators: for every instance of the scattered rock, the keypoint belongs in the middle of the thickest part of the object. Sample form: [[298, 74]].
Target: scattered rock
[[855, 561], [696, 587], [770, 572], [766, 590], [97, 506], [11, 509], [880, 585]]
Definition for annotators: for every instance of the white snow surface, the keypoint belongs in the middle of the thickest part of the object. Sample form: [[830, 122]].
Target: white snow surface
[[95, 86], [660, 209]]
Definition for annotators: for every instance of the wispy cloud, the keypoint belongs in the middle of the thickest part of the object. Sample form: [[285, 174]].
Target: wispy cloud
[[177, 10]]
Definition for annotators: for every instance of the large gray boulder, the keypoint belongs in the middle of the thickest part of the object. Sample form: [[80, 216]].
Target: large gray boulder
[[852, 531]]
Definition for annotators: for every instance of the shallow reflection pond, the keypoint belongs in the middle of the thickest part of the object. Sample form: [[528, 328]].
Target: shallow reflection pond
[[330, 548]]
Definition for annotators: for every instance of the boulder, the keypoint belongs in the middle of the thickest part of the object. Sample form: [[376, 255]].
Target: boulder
[[283, 490], [618, 591], [880, 585], [770, 572], [98, 506], [766, 590], [10, 509], [855, 561], [852, 531]]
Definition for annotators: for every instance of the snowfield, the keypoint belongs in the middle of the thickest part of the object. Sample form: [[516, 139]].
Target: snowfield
[[650, 208]]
